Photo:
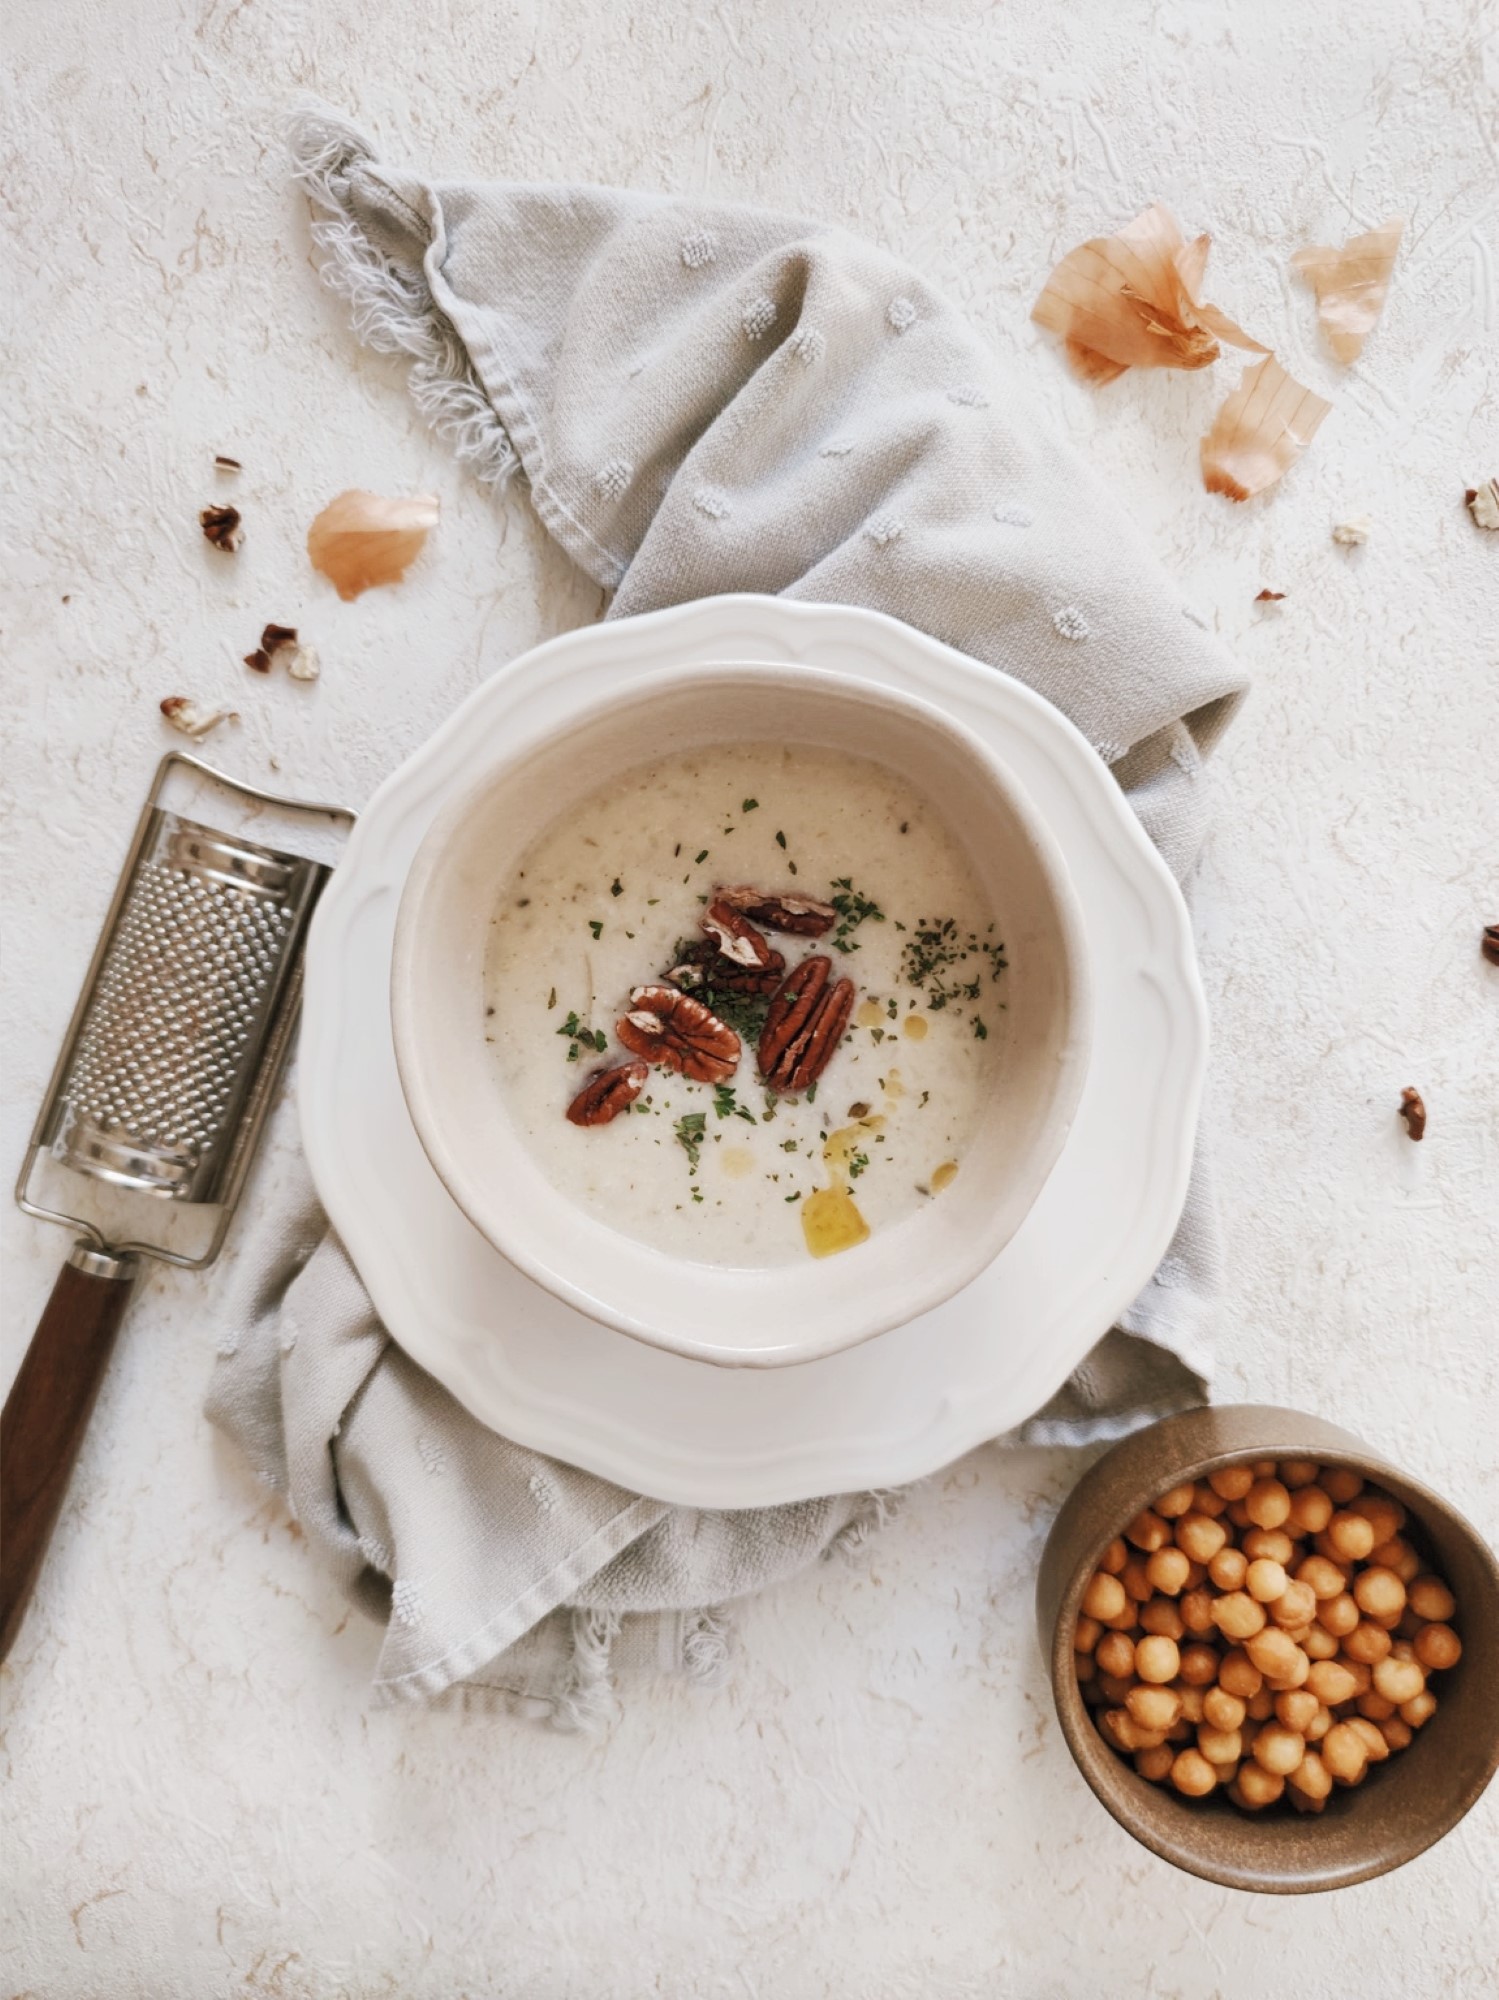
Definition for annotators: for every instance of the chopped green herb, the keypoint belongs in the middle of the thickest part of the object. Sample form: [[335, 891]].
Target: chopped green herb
[[891, 1008], [580, 1036], [651, 902], [727, 1105], [677, 849], [780, 839], [932, 957], [690, 1131], [877, 1035], [792, 866], [854, 908], [702, 857], [750, 805], [551, 999], [857, 1165], [616, 887], [596, 926], [979, 1029], [788, 1145], [795, 1197], [811, 1093]]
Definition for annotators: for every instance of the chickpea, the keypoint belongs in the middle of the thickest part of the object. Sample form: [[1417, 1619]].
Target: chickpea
[[1311, 1510], [1193, 1775], [1297, 1709], [1408, 1625], [1220, 1746], [1384, 1515], [1375, 1707], [1296, 1472], [1319, 1725], [1331, 1682], [1238, 1674], [1115, 1687], [1273, 1543], [1277, 1656], [1402, 1649], [1228, 1567], [1419, 1709], [1265, 1580], [1194, 1703], [1310, 1777], [1237, 1515], [1167, 1570], [1237, 1616], [1180, 1731], [1137, 1585], [1232, 1482], [1162, 1617], [1157, 1659], [1221, 1710], [1396, 1731], [1351, 1536], [1295, 1607], [1399, 1556], [1153, 1707], [1432, 1600], [1197, 1611], [1086, 1634], [1148, 1532], [1366, 1644], [1379, 1593], [1200, 1537], [1206, 1501], [1177, 1501], [1338, 1615], [1438, 1647], [1086, 1666], [1340, 1484], [1199, 1666], [1318, 1643], [1267, 1503], [1363, 1678], [1255, 1788], [1325, 1578], [1375, 1747], [1279, 1749], [1114, 1557], [1399, 1681], [1260, 1707], [1126, 1734], [1115, 1654], [1155, 1764], [1344, 1753], [1263, 1468], [1104, 1596]]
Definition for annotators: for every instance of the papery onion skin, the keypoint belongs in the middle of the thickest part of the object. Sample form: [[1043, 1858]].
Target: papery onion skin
[[1352, 284], [1260, 431], [361, 540]]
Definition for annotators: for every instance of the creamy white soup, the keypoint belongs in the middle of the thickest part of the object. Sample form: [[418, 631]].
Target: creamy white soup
[[642, 947]]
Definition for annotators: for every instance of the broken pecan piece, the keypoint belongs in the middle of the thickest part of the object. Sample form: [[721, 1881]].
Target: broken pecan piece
[[222, 526], [671, 1028], [705, 965], [735, 935], [797, 916], [1489, 945], [607, 1093], [804, 1026], [1413, 1111]]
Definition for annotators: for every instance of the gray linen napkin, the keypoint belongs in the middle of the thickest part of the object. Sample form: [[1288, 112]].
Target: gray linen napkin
[[701, 399]]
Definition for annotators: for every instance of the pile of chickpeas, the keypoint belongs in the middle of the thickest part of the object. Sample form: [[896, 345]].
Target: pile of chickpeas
[[1266, 1631]]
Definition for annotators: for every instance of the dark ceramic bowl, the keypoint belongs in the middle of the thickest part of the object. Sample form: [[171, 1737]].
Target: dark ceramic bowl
[[1406, 1803]]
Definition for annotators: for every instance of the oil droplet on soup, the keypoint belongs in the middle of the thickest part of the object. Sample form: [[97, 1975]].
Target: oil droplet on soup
[[870, 1015], [914, 1027], [831, 1222], [737, 1162], [944, 1176]]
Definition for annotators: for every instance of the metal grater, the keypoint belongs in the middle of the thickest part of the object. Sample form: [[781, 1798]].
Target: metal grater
[[161, 1089], [167, 1068]]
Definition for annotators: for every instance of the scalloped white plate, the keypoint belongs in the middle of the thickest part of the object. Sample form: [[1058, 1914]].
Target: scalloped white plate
[[898, 1406]]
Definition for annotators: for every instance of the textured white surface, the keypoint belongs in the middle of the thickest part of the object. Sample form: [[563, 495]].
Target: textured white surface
[[197, 1802]]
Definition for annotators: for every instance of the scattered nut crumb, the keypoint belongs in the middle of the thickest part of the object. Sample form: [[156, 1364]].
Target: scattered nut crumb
[[302, 663], [1483, 503], [276, 641], [184, 714], [1413, 1111], [1268, 596], [1354, 532], [223, 463], [222, 526], [1490, 943]]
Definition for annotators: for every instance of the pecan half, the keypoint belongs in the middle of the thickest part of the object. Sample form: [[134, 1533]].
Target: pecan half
[[804, 1026], [705, 965], [607, 1093], [676, 1031], [797, 916], [1489, 944], [1413, 1111], [734, 934]]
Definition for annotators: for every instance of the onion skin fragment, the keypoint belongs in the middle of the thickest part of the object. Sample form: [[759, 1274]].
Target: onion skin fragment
[[1260, 431], [361, 540]]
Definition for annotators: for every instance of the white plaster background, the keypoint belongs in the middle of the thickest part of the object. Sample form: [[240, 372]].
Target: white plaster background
[[198, 1801]]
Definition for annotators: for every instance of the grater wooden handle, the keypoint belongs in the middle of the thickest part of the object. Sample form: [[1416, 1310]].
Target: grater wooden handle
[[47, 1412]]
